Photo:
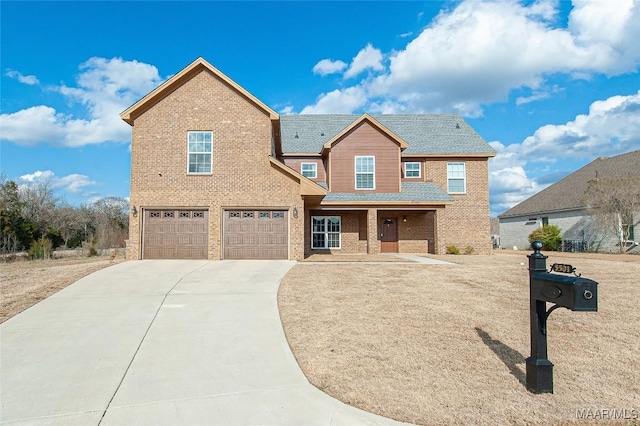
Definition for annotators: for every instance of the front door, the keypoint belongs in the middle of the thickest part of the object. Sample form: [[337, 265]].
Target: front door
[[389, 236]]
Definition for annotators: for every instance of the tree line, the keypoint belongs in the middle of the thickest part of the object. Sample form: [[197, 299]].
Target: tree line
[[35, 221]]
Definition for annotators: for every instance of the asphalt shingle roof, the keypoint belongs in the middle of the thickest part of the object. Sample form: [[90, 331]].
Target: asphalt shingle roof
[[567, 193], [411, 192], [424, 133]]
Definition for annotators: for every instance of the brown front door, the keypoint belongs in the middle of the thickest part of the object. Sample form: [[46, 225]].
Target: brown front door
[[389, 236]]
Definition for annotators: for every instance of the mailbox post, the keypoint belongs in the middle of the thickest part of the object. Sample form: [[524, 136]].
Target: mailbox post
[[571, 292]]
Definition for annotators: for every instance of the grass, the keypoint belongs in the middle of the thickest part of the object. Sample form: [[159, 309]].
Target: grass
[[446, 344]]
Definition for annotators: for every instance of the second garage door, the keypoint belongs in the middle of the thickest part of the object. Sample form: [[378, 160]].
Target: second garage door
[[256, 234]]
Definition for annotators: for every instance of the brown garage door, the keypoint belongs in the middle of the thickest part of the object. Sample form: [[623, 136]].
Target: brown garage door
[[255, 234], [175, 234]]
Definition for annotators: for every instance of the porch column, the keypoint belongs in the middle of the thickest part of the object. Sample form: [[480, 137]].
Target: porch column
[[372, 232]]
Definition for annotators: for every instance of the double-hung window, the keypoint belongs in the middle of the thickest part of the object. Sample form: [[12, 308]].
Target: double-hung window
[[365, 172], [456, 178], [309, 170], [200, 152], [412, 169], [325, 232]]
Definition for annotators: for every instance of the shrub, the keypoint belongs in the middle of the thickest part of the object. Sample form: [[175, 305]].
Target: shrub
[[41, 249], [453, 249], [549, 235], [469, 250]]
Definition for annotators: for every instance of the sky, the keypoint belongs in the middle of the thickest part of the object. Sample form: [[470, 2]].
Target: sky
[[551, 85]]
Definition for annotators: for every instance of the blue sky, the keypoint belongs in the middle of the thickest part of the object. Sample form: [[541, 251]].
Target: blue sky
[[551, 85]]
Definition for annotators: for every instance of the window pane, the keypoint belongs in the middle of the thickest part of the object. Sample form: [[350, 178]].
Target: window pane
[[318, 224], [318, 241], [456, 185], [412, 169], [364, 181], [309, 170], [333, 224], [364, 164], [333, 240]]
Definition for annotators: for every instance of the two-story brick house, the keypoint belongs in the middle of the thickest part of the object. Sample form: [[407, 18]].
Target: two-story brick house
[[217, 174]]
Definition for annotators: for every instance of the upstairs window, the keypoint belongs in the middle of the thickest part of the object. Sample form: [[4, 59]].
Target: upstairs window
[[310, 170], [456, 178], [412, 170], [200, 152], [365, 172]]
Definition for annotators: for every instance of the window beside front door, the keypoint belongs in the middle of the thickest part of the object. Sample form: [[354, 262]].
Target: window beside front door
[[365, 172], [199, 152], [309, 170], [325, 232]]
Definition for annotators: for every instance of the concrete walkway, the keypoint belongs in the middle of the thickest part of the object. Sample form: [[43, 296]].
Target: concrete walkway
[[422, 259], [162, 343]]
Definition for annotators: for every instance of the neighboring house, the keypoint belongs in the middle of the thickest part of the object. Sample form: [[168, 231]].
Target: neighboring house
[[217, 174], [563, 204]]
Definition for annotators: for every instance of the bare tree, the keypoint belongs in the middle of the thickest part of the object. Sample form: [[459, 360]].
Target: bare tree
[[38, 204], [613, 202], [111, 222]]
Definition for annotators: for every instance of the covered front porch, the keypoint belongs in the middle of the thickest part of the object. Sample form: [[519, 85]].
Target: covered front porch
[[371, 230]]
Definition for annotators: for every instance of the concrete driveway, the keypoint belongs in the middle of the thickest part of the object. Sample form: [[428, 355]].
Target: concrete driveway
[[166, 342]]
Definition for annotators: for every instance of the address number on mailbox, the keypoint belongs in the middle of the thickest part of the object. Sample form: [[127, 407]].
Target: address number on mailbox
[[563, 268]]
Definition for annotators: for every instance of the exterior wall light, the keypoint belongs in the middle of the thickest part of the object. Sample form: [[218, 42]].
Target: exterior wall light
[[295, 212], [134, 211]]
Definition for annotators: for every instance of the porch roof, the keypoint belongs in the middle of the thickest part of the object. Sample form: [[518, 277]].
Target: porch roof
[[412, 192]]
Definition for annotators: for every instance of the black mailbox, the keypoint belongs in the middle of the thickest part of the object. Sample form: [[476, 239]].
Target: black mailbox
[[569, 291], [575, 293]]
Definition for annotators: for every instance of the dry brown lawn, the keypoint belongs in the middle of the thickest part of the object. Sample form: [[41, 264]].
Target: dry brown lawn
[[25, 283], [446, 344]]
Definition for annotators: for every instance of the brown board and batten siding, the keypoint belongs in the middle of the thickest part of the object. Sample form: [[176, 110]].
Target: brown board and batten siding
[[365, 140], [296, 164]]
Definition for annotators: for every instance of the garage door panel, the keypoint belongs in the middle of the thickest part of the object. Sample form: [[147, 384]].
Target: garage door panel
[[255, 234], [175, 234]]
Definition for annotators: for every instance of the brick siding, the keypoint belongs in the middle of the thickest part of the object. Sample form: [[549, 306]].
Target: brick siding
[[242, 175]]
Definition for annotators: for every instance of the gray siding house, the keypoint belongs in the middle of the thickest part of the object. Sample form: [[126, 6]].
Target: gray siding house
[[562, 204]]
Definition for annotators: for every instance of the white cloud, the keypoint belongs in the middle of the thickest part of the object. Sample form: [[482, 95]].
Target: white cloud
[[367, 58], [24, 79], [338, 101], [478, 52], [611, 127], [37, 176], [105, 87], [329, 66], [73, 183]]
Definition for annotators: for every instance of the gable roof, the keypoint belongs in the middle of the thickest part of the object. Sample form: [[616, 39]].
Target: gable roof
[[364, 118], [567, 193], [425, 134], [185, 74]]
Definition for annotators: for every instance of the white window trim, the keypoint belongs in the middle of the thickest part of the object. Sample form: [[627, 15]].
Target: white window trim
[[419, 170], [315, 170], [373, 172], [326, 233], [210, 153], [464, 178]]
